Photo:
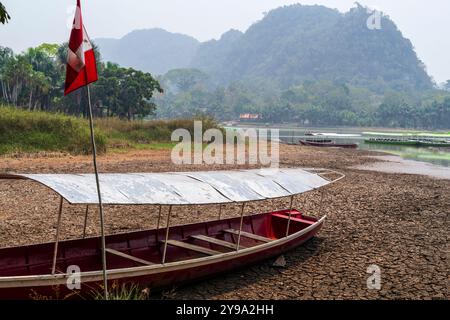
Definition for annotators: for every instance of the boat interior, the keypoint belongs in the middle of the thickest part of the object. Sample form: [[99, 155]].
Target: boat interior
[[147, 247]]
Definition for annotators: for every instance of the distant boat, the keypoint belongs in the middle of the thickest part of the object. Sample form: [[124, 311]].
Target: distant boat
[[410, 142], [328, 144], [319, 140], [334, 134], [409, 134]]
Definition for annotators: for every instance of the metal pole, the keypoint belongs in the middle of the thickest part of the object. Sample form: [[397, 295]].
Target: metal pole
[[159, 217], [159, 221], [220, 211], [290, 216], [167, 235], [85, 221], [240, 227], [321, 202], [100, 203], [58, 225]]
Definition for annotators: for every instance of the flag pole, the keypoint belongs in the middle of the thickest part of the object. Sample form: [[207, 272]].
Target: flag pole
[[100, 203]]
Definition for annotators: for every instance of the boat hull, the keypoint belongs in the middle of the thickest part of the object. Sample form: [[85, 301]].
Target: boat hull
[[178, 269], [329, 145], [409, 143]]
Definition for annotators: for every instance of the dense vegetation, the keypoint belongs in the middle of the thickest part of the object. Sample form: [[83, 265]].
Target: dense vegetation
[[35, 80], [34, 131], [290, 45], [300, 43], [309, 65], [314, 103]]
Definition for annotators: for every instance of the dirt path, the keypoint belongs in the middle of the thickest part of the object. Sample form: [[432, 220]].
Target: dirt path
[[399, 222]]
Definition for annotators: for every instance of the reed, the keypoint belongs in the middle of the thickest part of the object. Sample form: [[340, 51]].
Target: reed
[[124, 292]]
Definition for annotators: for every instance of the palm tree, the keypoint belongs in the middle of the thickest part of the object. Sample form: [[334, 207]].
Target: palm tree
[[6, 55], [4, 16], [45, 77], [39, 87], [17, 75]]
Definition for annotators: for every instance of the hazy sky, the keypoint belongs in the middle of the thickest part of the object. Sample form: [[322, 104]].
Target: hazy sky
[[33, 22]]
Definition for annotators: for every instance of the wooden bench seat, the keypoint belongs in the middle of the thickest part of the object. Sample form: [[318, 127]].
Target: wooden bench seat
[[293, 218], [248, 235], [218, 242], [127, 256], [191, 247]]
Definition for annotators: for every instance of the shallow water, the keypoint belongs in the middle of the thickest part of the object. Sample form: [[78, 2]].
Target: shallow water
[[395, 164], [438, 156]]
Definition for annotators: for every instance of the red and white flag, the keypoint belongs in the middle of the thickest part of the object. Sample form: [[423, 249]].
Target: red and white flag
[[81, 65]]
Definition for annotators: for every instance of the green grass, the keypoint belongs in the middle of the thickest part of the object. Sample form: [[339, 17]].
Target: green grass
[[142, 146], [146, 135], [145, 132], [24, 131]]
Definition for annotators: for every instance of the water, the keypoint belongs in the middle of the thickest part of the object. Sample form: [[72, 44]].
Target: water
[[438, 156], [394, 164]]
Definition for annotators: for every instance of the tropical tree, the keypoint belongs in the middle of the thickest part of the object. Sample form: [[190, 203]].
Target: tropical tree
[[125, 92], [4, 16], [185, 79], [17, 75], [447, 85], [6, 55], [35, 80], [45, 79]]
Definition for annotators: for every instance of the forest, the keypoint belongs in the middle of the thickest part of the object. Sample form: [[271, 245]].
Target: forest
[[34, 80], [304, 65], [312, 103]]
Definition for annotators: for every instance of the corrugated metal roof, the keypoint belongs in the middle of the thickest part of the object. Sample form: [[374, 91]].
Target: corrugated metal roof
[[181, 188]]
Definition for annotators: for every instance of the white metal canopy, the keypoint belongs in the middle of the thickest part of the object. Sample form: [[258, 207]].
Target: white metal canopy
[[181, 188]]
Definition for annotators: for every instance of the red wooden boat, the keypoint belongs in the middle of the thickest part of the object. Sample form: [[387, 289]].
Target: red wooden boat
[[166, 255], [328, 144], [195, 251]]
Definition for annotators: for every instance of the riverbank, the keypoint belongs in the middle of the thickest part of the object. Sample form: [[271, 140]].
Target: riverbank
[[396, 221], [24, 132]]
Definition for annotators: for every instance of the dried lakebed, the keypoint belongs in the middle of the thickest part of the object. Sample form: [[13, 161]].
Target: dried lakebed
[[399, 222]]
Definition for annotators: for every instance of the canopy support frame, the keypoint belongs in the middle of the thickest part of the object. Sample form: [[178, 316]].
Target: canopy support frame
[[220, 211], [158, 223], [167, 235], [238, 244], [290, 216], [85, 221], [322, 194], [58, 229]]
